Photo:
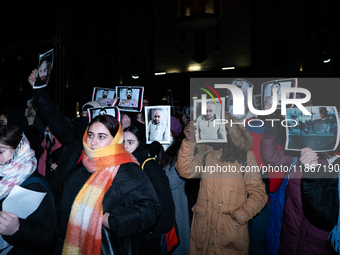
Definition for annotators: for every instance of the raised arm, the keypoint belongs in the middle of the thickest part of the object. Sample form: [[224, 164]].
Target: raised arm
[[271, 154], [59, 126], [319, 191], [186, 160]]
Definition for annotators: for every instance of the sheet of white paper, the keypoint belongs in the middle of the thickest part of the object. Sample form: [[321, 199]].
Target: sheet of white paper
[[23, 202]]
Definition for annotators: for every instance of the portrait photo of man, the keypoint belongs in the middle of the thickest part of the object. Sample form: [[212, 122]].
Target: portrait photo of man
[[158, 128], [104, 96], [129, 101], [110, 110], [44, 69], [130, 98], [104, 100], [267, 91], [210, 125]]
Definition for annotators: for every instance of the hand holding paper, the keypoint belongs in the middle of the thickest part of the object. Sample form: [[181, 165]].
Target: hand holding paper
[[32, 77], [309, 158], [9, 223]]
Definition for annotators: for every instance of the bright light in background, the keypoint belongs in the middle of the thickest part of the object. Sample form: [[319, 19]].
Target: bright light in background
[[173, 71], [228, 68], [326, 58], [77, 109], [194, 68], [160, 73], [135, 76]]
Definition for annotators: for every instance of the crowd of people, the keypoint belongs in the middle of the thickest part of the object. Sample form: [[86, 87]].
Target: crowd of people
[[98, 187]]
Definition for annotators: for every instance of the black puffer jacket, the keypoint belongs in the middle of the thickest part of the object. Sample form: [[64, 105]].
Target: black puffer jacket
[[162, 187], [131, 201], [320, 197], [69, 136], [37, 233]]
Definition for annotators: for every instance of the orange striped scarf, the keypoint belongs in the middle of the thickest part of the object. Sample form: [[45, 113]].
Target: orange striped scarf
[[83, 234]]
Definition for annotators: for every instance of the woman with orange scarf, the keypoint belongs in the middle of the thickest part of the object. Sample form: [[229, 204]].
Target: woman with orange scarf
[[107, 198]]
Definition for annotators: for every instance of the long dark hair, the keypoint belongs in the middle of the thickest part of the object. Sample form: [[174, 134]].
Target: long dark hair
[[169, 157], [136, 131], [110, 122], [10, 136]]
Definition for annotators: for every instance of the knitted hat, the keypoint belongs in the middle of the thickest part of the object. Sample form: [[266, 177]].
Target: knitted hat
[[175, 125], [90, 104]]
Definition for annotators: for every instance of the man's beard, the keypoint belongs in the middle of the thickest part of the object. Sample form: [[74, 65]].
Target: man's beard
[[129, 96], [104, 96], [42, 78]]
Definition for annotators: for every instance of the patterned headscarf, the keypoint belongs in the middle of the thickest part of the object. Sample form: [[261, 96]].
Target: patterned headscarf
[[16, 170]]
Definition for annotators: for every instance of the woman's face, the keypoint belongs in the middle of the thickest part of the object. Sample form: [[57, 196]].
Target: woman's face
[[130, 142], [6, 152], [98, 136]]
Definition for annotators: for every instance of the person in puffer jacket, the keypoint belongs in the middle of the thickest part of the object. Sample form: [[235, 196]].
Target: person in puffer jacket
[[298, 235], [227, 199]]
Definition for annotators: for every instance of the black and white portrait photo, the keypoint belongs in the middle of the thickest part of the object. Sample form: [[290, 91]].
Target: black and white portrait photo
[[157, 120], [210, 127], [130, 98], [268, 88], [110, 110], [104, 96], [44, 69]]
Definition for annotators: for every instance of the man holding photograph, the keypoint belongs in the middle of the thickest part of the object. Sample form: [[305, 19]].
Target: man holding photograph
[[157, 128], [207, 129]]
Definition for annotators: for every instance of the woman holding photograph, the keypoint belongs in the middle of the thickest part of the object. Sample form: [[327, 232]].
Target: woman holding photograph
[[227, 200], [298, 235], [119, 199], [37, 233]]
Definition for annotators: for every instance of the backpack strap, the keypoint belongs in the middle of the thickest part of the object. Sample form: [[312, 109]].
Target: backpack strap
[[35, 180], [146, 161]]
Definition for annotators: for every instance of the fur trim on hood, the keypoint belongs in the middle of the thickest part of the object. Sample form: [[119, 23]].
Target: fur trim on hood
[[239, 135]]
